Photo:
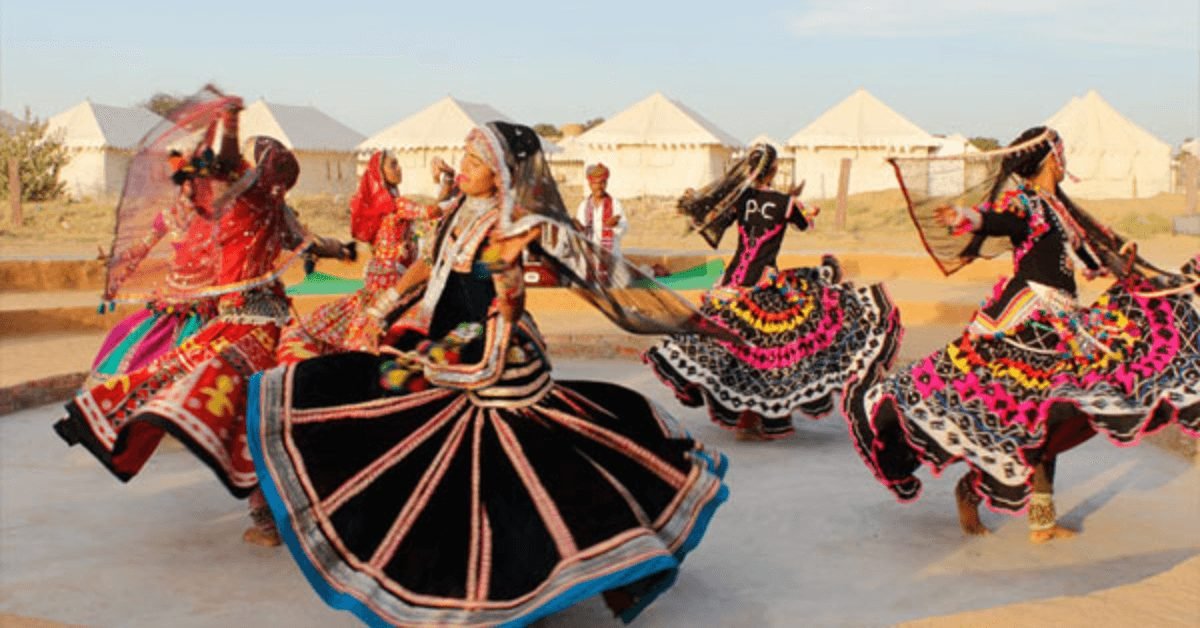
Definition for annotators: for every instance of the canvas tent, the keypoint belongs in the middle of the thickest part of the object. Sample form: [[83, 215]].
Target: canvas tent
[[658, 147], [568, 162], [435, 131], [950, 177], [866, 131], [100, 140], [1112, 156], [324, 147]]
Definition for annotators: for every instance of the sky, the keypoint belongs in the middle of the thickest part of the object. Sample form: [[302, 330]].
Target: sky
[[977, 67]]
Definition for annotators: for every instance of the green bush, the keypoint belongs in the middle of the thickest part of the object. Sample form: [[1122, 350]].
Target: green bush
[[40, 158]]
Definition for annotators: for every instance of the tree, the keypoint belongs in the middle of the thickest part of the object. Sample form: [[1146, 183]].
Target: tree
[[985, 143], [162, 103], [548, 131], [591, 123], [40, 157]]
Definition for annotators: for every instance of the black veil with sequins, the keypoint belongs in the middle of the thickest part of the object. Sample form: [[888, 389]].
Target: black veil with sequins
[[974, 178], [626, 294]]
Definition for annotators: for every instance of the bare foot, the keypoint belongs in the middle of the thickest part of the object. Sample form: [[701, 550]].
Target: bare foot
[[749, 427], [260, 537], [968, 508], [968, 518], [1049, 534]]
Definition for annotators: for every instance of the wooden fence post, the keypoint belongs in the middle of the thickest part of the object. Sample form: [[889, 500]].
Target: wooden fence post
[[839, 220], [1190, 165]]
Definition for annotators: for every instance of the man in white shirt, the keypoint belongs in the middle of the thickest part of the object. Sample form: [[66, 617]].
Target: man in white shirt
[[600, 215]]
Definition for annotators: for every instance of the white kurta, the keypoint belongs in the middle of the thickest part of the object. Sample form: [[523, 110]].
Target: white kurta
[[595, 234]]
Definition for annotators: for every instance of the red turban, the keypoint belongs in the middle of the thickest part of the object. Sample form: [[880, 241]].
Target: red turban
[[597, 172]]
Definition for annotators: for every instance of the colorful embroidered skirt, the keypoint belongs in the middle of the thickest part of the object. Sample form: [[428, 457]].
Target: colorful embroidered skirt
[[334, 327], [196, 392], [1126, 366], [453, 507], [338, 326], [806, 335], [144, 336]]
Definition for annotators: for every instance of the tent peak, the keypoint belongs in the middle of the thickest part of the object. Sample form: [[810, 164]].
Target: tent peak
[[861, 120]]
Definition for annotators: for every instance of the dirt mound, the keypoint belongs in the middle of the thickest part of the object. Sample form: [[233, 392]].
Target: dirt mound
[[43, 275]]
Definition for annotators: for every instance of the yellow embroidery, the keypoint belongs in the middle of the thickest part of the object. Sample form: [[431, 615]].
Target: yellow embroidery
[[118, 382], [750, 318], [219, 403]]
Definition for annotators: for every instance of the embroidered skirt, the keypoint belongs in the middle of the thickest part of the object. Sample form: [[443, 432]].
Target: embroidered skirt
[[807, 335], [494, 506], [336, 326], [142, 337], [196, 392], [1124, 367]]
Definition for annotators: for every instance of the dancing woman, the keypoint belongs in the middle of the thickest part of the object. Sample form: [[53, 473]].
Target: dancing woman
[[455, 481], [196, 392], [806, 332], [392, 225], [174, 312], [1034, 374]]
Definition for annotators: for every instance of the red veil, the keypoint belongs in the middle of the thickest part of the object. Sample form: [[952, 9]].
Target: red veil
[[156, 231], [373, 200], [229, 236]]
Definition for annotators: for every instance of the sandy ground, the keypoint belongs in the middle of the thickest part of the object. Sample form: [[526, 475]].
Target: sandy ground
[[1161, 600], [807, 538], [42, 355]]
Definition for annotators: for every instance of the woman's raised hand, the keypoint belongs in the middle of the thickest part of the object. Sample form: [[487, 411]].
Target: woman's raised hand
[[946, 216]]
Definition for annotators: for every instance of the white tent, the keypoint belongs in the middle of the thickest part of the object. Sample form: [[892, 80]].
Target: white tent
[[568, 165], [658, 147], [435, 131], [1113, 157], [866, 131], [324, 147], [949, 177], [100, 139], [953, 144]]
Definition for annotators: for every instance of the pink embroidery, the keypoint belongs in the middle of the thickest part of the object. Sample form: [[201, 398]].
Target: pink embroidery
[[1019, 203], [968, 386], [1161, 335], [750, 252], [926, 379], [803, 347]]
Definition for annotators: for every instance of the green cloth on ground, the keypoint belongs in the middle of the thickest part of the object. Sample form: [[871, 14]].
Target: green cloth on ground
[[319, 283], [700, 277]]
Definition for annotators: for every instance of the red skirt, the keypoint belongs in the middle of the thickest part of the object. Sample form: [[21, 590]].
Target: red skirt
[[196, 392]]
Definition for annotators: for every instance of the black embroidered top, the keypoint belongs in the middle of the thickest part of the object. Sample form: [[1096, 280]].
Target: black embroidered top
[[1040, 250], [762, 215]]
